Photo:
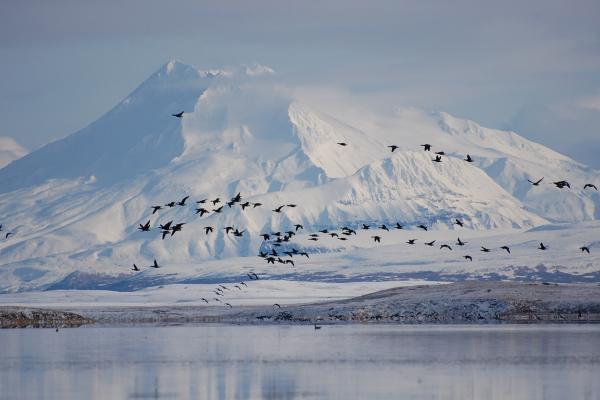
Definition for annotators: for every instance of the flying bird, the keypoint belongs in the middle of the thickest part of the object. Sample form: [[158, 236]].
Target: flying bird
[[385, 228], [218, 210], [377, 239], [201, 201], [202, 211], [203, 299], [584, 248], [215, 201], [291, 205], [562, 184], [485, 249], [437, 158], [135, 268], [178, 115], [468, 159], [278, 209], [244, 205], [208, 229], [165, 233], [460, 242], [458, 222], [276, 305], [365, 226], [430, 243], [342, 144], [506, 248], [422, 227], [182, 202], [468, 258], [426, 147], [155, 209], [155, 265], [536, 183], [590, 185], [254, 205], [393, 147], [445, 246], [398, 226], [166, 226], [298, 226], [542, 247], [411, 241], [171, 204], [145, 227], [440, 153]]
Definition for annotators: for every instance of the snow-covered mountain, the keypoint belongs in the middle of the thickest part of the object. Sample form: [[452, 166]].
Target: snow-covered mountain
[[77, 202], [10, 150]]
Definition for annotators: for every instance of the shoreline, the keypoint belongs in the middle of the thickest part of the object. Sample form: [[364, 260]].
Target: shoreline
[[469, 302]]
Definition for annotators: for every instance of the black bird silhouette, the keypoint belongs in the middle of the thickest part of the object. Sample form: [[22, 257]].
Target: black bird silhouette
[[536, 183], [542, 247], [230, 203], [236, 286], [458, 222], [377, 239], [584, 248], [562, 184], [445, 246], [437, 159], [298, 226], [426, 147], [303, 253], [365, 226], [274, 252], [342, 144], [215, 201], [271, 260], [324, 231], [278, 209], [317, 327], [243, 283], [468, 159], [166, 226], [238, 233], [155, 209], [289, 262], [202, 211], [0, 227], [217, 300], [177, 228], [291, 205], [203, 299], [485, 250], [468, 258], [171, 204], [218, 210], [422, 227], [398, 226], [227, 229], [135, 268], [460, 242], [385, 228], [229, 305], [178, 115], [440, 153], [266, 236], [165, 233], [314, 239], [333, 234], [244, 205], [237, 198], [506, 248], [430, 243], [393, 147], [208, 229], [155, 265], [182, 202], [262, 254], [411, 241], [145, 227], [201, 201], [276, 305], [254, 205], [590, 185]]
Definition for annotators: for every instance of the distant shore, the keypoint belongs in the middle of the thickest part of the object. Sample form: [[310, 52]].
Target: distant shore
[[469, 302]]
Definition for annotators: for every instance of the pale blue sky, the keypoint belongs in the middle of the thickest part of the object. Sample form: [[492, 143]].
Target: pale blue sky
[[533, 68]]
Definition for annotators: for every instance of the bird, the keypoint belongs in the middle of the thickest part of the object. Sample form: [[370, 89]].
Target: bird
[[542, 247], [155, 265], [468, 159], [317, 327], [440, 153], [485, 249], [324, 231], [276, 305], [208, 229], [437, 158], [468, 258], [254, 205], [445, 246], [291, 205], [0, 227], [536, 183], [289, 262], [145, 227], [166, 226], [298, 226], [155, 209], [218, 210], [460, 242], [562, 184], [201, 201], [426, 147], [203, 299], [238, 233], [365, 226], [178, 115], [215, 201], [202, 211], [243, 283], [333, 234], [398, 226], [422, 227], [266, 236], [237, 198], [278, 209], [385, 228], [458, 222], [393, 147], [430, 243], [228, 229], [230, 203], [135, 268], [304, 254], [342, 144], [270, 260], [590, 185], [182, 202], [177, 228], [171, 204], [506, 248], [314, 239], [411, 241], [377, 239], [244, 205], [164, 234], [585, 248], [229, 305]]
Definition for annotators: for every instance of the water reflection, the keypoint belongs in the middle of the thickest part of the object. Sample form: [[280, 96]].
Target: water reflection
[[341, 362]]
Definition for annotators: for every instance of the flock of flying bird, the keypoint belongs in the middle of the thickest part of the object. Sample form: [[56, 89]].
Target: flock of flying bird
[[278, 246]]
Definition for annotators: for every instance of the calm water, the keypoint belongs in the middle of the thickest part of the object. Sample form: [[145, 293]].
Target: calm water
[[336, 362]]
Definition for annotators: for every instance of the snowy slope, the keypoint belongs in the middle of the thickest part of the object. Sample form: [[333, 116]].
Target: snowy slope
[[10, 150], [74, 205]]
